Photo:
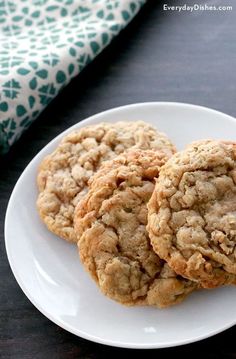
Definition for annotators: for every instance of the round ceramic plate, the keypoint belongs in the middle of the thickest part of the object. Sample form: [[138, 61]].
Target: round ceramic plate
[[49, 271]]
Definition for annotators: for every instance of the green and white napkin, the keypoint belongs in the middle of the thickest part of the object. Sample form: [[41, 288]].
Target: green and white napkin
[[43, 45]]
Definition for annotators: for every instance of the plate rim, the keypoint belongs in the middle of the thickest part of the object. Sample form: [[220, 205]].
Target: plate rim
[[38, 306]]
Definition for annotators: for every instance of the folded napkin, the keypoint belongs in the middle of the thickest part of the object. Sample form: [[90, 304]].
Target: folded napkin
[[43, 45]]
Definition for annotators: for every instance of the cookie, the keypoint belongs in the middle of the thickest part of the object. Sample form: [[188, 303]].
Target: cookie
[[192, 213], [114, 245], [63, 175]]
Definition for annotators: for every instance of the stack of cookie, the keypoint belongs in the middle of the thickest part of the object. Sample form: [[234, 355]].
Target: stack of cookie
[[151, 225]]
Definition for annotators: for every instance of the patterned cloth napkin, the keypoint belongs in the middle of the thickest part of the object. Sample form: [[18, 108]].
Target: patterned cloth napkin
[[43, 45]]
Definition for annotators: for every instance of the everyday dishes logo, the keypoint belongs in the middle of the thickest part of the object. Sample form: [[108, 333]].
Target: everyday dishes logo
[[197, 7]]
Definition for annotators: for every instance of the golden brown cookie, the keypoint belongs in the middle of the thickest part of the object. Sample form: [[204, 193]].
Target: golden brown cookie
[[192, 213], [114, 245], [64, 174]]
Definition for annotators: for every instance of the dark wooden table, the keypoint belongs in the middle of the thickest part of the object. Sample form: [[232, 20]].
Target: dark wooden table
[[160, 56]]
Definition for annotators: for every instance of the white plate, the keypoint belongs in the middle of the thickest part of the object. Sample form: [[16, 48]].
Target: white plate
[[49, 271]]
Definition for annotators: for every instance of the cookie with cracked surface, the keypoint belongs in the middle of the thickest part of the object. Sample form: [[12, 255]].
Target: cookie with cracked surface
[[192, 213], [63, 175], [114, 245]]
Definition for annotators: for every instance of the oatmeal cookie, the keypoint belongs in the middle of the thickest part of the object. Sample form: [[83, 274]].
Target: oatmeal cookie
[[64, 174], [114, 245], [192, 213]]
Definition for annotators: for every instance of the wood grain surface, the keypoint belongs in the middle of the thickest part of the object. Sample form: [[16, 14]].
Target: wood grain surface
[[160, 56]]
